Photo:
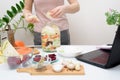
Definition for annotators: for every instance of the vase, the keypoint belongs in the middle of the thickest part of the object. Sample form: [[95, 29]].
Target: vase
[[10, 33]]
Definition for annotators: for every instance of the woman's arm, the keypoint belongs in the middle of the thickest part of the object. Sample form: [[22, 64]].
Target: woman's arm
[[27, 12], [60, 10], [72, 7], [28, 8]]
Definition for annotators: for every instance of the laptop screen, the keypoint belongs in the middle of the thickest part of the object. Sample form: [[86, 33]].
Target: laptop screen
[[115, 51]]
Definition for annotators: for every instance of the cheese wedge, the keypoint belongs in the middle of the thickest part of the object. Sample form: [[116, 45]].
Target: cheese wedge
[[8, 49], [0, 52], [2, 59]]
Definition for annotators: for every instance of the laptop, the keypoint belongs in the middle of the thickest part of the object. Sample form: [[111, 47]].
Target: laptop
[[104, 58]]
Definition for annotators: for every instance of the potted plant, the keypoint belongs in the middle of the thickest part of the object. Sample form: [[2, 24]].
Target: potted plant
[[9, 23], [113, 17]]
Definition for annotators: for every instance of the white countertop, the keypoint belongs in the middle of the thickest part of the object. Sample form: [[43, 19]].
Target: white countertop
[[91, 72]]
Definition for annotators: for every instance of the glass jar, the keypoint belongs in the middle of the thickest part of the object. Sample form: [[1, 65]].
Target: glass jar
[[50, 37]]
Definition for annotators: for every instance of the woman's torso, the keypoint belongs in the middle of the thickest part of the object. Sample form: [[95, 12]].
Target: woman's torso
[[42, 7]]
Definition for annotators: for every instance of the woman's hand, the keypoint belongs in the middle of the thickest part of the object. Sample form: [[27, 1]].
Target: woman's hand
[[58, 11], [32, 19]]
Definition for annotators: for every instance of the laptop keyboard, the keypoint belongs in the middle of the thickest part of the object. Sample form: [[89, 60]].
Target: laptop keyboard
[[101, 59], [97, 57]]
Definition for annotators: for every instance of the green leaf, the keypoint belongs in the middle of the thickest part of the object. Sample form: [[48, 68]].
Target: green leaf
[[107, 14], [14, 10], [22, 16], [118, 19], [6, 19], [11, 15], [1, 23], [21, 4], [30, 27], [18, 7], [23, 0]]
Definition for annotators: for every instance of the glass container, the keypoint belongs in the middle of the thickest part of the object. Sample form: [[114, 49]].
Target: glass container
[[50, 37]]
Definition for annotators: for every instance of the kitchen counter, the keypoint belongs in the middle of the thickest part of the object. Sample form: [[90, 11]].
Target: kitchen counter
[[91, 72]]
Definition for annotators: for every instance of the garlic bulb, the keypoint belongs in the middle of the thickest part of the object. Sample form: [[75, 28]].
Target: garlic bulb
[[71, 66], [65, 62], [77, 67]]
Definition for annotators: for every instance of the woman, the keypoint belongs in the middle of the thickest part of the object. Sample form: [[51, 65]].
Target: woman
[[57, 11]]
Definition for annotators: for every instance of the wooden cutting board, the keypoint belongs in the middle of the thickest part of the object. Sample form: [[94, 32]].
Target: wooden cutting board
[[48, 71]]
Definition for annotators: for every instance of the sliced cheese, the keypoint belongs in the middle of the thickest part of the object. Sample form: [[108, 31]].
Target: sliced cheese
[[0, 52], [8, 49], [2, 59]]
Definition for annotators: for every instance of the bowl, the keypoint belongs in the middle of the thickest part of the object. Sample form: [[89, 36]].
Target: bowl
[[57, 67], [14, 62], [69, 51]]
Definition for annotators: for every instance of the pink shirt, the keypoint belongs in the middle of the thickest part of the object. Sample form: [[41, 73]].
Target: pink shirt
[[42, 7]]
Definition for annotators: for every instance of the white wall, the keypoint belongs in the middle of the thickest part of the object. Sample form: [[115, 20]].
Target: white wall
[[88, 26]]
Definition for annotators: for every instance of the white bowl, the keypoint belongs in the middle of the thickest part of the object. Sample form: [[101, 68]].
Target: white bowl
[[57, 67], [69, 51]]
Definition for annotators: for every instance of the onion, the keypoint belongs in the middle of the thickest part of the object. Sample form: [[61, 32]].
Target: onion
[[77, 67], [71, 66]]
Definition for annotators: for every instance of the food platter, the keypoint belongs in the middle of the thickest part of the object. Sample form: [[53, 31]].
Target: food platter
[[49, 71]]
